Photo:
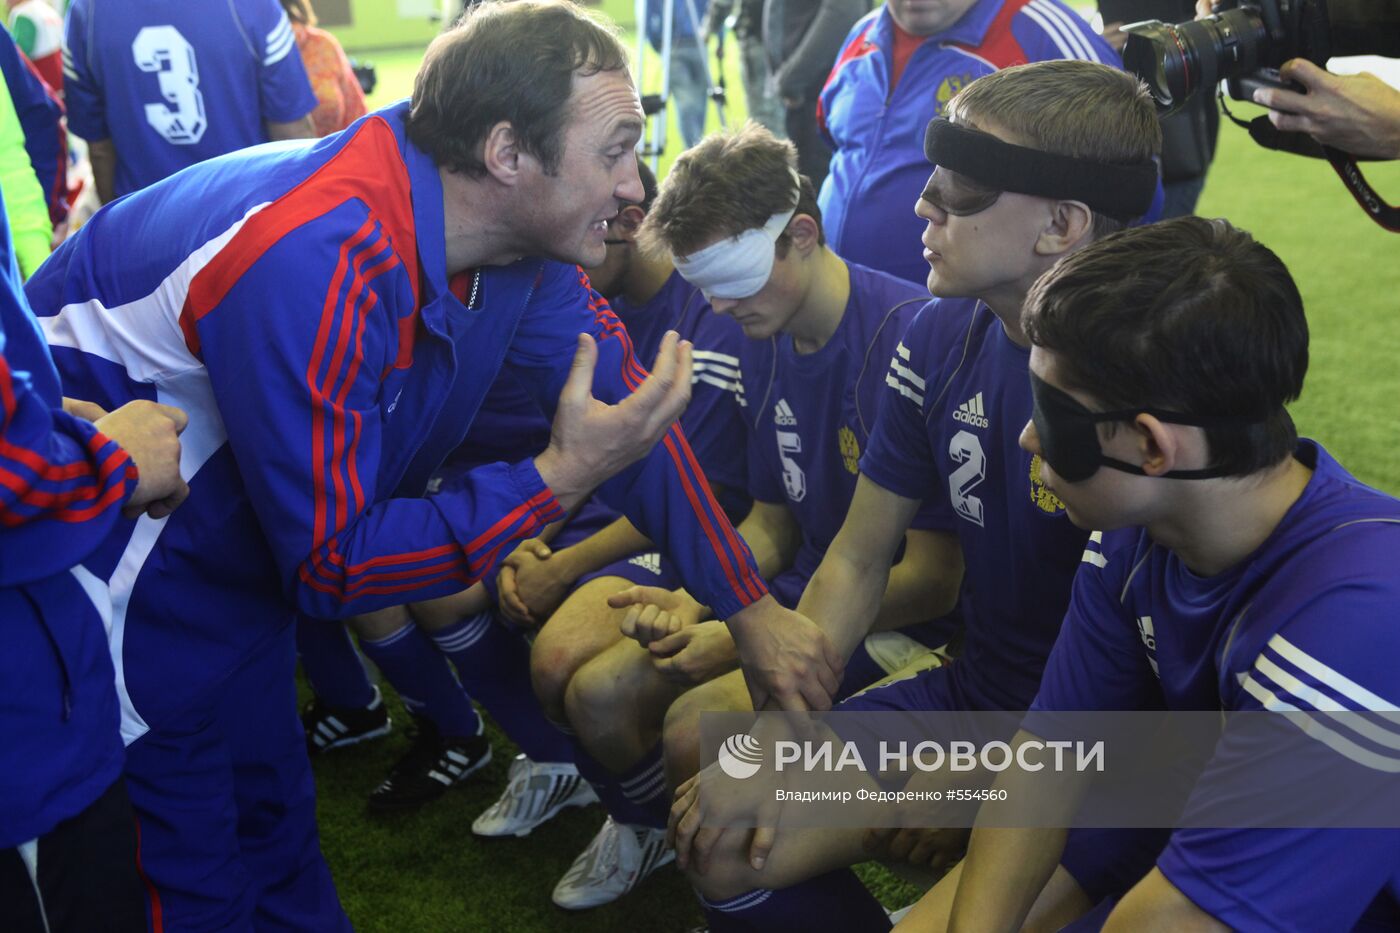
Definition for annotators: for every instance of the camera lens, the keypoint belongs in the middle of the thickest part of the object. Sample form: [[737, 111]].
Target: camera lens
[[1177, 61]]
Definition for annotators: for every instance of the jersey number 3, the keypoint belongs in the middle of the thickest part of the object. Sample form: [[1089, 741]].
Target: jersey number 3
[[966, 449], [163, 50]]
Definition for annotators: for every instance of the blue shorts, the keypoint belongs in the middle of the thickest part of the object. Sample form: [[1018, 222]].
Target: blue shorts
[[1108, 862]]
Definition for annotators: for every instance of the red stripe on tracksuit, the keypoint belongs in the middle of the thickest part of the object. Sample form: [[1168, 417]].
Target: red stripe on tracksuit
[[352, 314], [152, 895], [319, 529], [859, 47], [718, 530], [367, 166], [89, 487]]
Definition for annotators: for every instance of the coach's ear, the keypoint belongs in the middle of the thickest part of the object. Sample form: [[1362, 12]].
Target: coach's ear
[[501, 154], [1069, 225]]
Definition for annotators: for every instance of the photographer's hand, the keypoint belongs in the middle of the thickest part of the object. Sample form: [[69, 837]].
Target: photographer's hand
[[1359, 114]]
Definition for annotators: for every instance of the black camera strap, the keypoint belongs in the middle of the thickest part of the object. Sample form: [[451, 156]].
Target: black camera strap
[[1344, 164]]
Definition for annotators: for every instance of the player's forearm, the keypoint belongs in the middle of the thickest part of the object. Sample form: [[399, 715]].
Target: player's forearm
[[844, 597], [917, 592], [1006, 868], [1002, 875], [773, 545], [616, 541], [103, 156]]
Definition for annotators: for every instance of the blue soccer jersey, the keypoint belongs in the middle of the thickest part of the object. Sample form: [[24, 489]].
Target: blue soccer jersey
[[1306, 623], [713, 421], [172, 84], [810, 414], [957, 396]]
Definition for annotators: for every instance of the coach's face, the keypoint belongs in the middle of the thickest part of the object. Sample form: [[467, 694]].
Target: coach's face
[[928, 17], [597, 174]]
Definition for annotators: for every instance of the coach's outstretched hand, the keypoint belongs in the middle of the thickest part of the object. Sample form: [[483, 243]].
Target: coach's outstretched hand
[[591, 440], [149, 433], [789, 662]]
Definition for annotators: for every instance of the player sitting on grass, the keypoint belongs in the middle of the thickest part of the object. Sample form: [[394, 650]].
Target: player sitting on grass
[[745, 229], [1033, 163], [1162, 361]]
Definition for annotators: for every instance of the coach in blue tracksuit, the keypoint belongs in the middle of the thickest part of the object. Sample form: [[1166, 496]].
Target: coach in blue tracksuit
[[331, 316], [67, 842]]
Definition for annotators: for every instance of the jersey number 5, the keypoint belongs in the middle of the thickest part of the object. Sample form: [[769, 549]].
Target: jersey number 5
[[794, 480], [163, 50], [966, 449]]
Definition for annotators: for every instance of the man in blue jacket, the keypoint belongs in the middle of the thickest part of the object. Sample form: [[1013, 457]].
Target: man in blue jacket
[[67, 842], [897, 70], [331, 316]]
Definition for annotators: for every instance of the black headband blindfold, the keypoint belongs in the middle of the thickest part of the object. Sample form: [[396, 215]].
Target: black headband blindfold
[[1123, 192], [1069, 439]]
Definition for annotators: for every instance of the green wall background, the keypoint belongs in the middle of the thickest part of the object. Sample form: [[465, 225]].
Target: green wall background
[[377, 24]]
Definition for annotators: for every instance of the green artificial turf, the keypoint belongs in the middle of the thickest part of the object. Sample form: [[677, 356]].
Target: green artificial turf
[[426, 872]]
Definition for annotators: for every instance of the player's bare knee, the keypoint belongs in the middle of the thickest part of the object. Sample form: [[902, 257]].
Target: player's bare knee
[[381, 623], [727, 876], [550, 672], [593, 701]]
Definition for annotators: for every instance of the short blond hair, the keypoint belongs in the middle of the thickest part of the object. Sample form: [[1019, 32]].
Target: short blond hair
[[1073, 108], [727, 183]]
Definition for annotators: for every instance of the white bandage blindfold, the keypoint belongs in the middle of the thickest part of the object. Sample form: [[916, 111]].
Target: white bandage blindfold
[[739, 266]]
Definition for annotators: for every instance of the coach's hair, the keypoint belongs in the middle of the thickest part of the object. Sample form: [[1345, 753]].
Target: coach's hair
[[1073, 108], [723, 185], [1188, 315], [300, 11], [507, 61]]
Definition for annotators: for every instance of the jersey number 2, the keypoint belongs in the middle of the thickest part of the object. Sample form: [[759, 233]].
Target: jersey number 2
[[163, 50], [966, 449]]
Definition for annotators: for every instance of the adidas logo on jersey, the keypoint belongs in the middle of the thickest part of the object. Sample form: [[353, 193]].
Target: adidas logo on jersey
[[971, 412], [1149, 641], [782, 414], [650, 562]]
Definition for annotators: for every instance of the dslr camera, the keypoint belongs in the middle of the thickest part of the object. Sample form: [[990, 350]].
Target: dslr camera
[[1245, 41]]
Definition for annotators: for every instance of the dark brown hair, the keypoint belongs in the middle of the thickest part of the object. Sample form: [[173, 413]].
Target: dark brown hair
[[1188, 315], [506, 61]]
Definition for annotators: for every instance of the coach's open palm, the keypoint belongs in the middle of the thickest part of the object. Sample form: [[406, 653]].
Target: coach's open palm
[[591, 440]]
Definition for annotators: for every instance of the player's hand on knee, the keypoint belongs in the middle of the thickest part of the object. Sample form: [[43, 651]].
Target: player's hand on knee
[[591, 441], [695, 654], [150, 434]]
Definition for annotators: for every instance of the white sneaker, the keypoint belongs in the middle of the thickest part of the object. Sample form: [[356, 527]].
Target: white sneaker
[[534, 794], [615, 862]]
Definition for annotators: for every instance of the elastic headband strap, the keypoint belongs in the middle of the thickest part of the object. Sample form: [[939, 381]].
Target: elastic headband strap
[[1123, 192]]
